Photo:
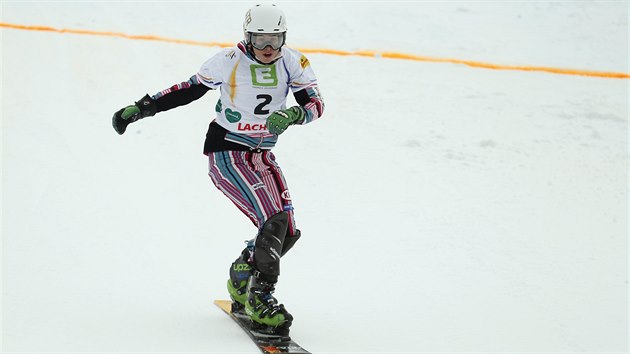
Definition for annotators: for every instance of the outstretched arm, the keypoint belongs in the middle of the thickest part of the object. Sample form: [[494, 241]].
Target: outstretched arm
[[175, 96]]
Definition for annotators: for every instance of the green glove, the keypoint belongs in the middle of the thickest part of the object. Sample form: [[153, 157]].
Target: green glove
[[146, 107], [279, 121]]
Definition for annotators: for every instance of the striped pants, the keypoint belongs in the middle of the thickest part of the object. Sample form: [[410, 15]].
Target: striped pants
[[254, 183]]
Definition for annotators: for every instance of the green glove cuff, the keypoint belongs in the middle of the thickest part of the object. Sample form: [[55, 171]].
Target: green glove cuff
[[147, 106], [296, 114]]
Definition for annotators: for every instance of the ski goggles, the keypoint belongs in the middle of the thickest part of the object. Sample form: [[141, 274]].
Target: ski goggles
[[260, 41]]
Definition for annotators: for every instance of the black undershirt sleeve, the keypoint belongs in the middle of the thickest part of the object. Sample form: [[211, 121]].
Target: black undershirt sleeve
[[302, 97], [180, 97]]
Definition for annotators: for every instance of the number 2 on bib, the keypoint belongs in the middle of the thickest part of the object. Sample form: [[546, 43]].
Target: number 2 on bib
[[262, 106]]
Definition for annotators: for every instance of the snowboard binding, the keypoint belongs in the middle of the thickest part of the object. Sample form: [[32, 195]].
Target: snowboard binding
[[261, 331]]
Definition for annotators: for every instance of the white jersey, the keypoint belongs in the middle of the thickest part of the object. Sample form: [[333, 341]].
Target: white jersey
[[251, 91]]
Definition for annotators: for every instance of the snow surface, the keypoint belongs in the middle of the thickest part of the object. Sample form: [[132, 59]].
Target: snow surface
[[444, 208]]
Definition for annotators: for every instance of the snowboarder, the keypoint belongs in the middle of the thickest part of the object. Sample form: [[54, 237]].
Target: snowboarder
[[254, 79]]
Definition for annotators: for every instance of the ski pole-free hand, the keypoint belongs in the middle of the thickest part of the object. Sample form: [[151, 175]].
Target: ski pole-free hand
[[146, 107], [279, 121]]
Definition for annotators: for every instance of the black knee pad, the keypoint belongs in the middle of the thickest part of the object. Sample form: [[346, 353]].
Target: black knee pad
[[269, 243]]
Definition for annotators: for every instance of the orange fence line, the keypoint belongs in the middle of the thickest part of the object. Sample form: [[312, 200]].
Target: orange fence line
[[372, 54]]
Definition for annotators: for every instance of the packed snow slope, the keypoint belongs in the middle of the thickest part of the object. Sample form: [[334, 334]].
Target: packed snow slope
[[444, 208]]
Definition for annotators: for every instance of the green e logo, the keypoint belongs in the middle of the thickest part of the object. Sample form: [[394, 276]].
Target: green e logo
[[264, 75]]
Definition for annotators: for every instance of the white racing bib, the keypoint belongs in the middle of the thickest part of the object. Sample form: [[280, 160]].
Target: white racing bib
[[251, 91]]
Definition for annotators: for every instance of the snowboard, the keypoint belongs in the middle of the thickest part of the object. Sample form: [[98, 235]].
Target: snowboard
[[267, 343]]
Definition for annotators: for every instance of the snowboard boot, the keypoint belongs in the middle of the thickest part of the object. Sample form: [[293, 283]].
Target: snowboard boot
[[240, 272], [266, 314]]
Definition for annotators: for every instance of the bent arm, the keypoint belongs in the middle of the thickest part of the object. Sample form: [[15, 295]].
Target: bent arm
[[311, 100]]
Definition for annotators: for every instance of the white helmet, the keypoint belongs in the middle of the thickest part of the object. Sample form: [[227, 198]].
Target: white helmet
[[265, 18]]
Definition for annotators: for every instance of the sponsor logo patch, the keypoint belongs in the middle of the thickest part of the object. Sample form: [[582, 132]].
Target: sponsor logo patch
[[285, 195], [232, 116], [304, 62], [264, 75], [246, 127]]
